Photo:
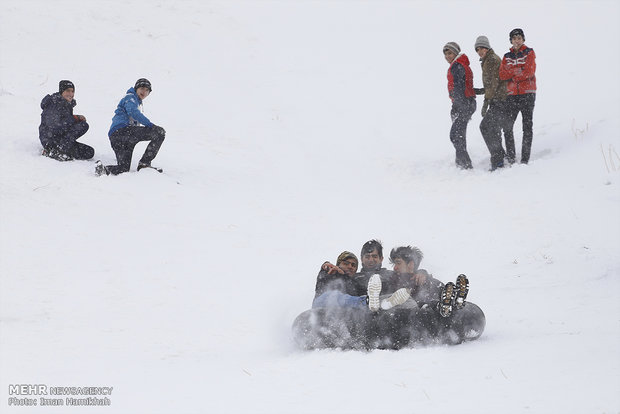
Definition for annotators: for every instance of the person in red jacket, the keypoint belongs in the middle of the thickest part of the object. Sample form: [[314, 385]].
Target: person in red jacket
[[463, 96], [519, 69]]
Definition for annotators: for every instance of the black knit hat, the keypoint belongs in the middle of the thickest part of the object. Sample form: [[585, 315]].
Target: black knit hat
[[143, 82], [64, 85], [516, 32]]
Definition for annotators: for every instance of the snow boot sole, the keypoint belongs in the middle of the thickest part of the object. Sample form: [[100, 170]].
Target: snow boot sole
[[374, 290], [446, 302], [462, 289]]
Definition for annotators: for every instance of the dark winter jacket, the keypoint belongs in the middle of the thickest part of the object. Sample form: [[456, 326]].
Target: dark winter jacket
[[363, 276], [461, 81], [519, 68], [428, 293], [128, 113], [494, 87], [56, 118], [341, 283]]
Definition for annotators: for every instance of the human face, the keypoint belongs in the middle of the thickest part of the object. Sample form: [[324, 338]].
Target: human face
[[401, 267], [372, 260], [143, 92], [482, 52], [449, 55], [349, 266], [68, 94], [517, 41]]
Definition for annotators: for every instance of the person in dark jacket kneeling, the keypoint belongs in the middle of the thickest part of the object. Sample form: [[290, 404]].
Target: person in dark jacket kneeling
[[130, 126], [60, 129]]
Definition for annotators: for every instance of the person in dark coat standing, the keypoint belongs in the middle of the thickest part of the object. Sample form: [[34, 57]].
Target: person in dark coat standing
[[463, 96], [60, 129], [130, 126], [494, 107], [519, 69]]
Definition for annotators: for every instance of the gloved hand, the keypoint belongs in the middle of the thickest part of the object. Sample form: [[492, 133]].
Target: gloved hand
[[485, 107]]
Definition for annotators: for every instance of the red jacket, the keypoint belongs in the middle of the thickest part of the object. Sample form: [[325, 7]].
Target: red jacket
[[460, 79], [519, 69]]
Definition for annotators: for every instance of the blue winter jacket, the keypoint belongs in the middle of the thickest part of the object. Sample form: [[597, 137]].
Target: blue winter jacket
[[56, 118], [128, 113]]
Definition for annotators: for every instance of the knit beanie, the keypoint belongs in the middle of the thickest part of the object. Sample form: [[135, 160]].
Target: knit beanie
[[344, 256], [516, 32], [482, 41], [453, 47], [143, 82], [64, 85]]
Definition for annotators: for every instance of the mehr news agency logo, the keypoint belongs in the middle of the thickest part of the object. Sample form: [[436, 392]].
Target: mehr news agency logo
[[58, 396]]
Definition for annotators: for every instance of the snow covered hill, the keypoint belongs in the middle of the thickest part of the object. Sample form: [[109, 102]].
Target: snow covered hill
[[296, 130]]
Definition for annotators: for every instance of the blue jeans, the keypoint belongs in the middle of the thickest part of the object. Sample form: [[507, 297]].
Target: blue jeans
[[334, 298]]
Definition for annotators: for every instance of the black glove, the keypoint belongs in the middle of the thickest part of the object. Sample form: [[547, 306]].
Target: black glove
[[479, 91]]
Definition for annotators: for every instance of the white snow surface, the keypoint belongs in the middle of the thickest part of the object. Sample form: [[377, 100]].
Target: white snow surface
[[296, 130]]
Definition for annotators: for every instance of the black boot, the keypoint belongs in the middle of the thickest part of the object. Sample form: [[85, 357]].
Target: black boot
[[446, 299], [462, 288]]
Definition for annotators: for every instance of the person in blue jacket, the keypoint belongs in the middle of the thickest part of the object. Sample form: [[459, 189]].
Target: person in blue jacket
[[60, 129], [130, 126]]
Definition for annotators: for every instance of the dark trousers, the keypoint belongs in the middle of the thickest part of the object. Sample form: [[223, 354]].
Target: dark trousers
[[525, 105], [491, 128], [124, 141], [66, 143], [461, 114]]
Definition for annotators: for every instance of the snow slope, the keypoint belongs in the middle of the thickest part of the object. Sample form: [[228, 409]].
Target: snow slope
[[296, 130]]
